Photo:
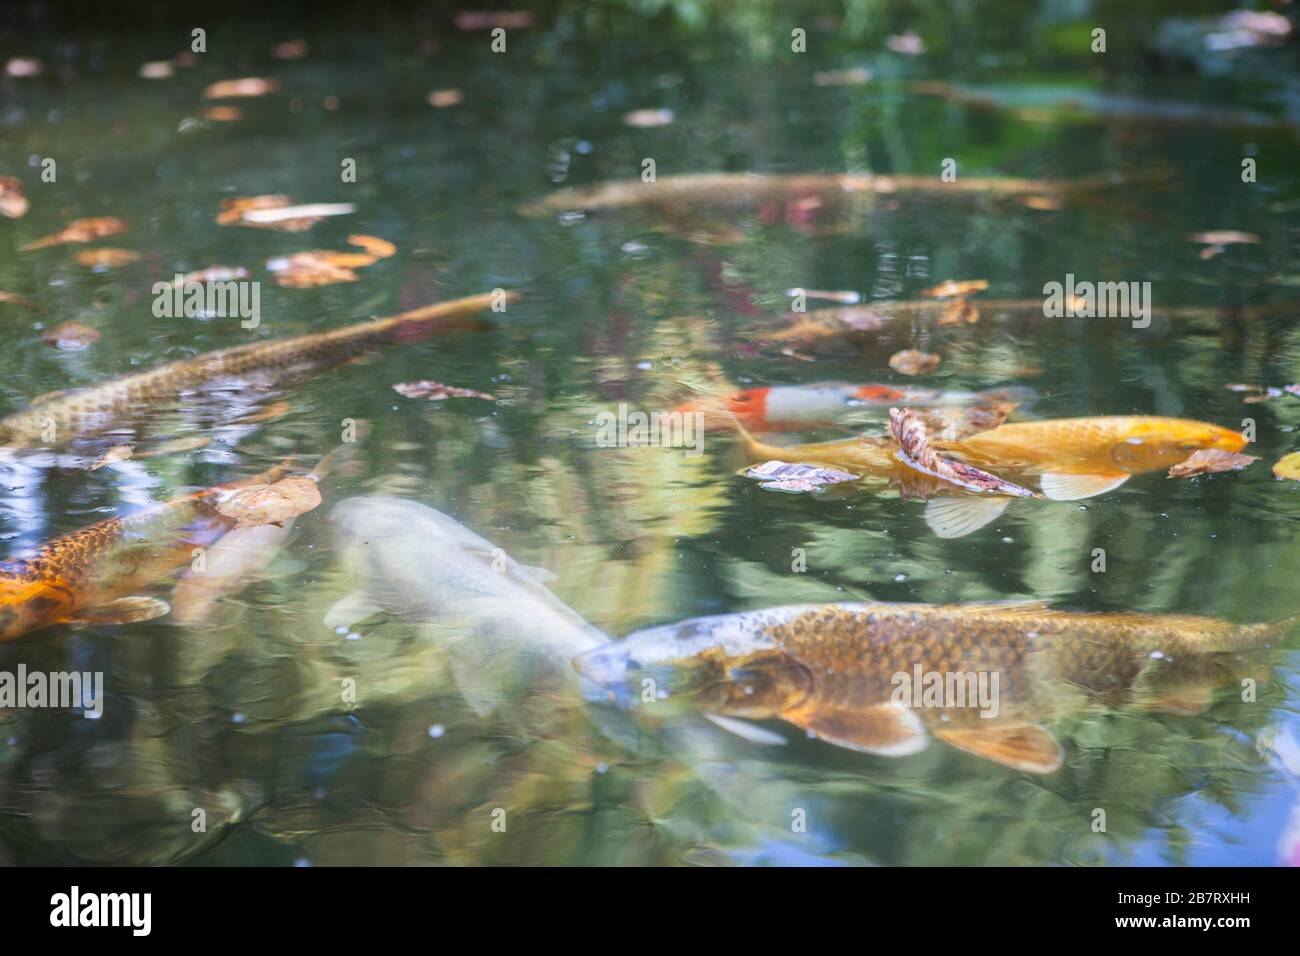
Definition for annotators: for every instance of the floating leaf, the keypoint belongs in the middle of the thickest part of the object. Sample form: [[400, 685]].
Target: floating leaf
[[13, 203], [254, 505], [959, 312], [847, 298], [71, 336], [326, 267], [909, 431], [81, 230], [1044, 203], [106, 258], [1224, 237], [23, 66], [379, 248], [223, 114], [648, 119], [912, 362], [796, 478], [1288, 467], [275, 212], [441, 99], [950, 288], [294, 49], [1207, 461], [115, 454], [469, 20], [20, 300], [909, 43], [212, 274], [436, 391], [245, 87]]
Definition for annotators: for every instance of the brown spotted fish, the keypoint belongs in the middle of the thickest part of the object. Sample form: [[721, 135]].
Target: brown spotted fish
[[885, 678]]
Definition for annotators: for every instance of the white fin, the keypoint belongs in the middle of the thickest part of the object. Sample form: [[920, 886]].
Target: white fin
[[127, 610], [747, 731], [958, 517], [538, 575], [1062, 487], [480, 686], [349, 609]]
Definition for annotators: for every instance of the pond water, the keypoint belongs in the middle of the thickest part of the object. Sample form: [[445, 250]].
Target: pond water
[[233, 739]]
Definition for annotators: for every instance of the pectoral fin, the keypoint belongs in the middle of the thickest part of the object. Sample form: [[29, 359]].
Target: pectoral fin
[[1066, 487], [127, 610], [888, 730], [958, 517], [747, 731], [1026, 747]]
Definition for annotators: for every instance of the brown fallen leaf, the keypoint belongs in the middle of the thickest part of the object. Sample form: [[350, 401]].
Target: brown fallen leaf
[[909, 43], [254, 505], [326, 267], [1223, 237], [912, 362], [1288, 467], [114, 454], [71, 336], [1208, 461], [212, 274], [245, 87], [106, 257], [20, 300], [294, 49], [648, 119], [436, 391], [379, 248], [952, 423], [275, 212], [914, 451], [468, 20], [13, 204], [441, 99], [950, 288], [1044, 203], [959, 312], [223, 114], [81, 230], [852, 77], [795, 478]]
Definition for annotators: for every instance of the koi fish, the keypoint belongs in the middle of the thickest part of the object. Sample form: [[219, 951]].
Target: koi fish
[[859, 676], [62, 416], [92, 576], [782, 407]]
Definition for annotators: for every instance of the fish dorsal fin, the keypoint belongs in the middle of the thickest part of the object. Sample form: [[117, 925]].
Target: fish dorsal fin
[[1027, 747], [958, 517], [127, 610], [747, 731], [1066, 487], [887, 730], [1027, 608]]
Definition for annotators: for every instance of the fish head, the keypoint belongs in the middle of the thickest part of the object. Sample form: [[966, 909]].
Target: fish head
[[718, 665], [1156, 443], [749, 408], [27, 604]]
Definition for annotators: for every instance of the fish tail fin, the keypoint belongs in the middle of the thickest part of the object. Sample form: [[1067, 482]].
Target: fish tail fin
[[338, 457], [753, 447], [453, 315]]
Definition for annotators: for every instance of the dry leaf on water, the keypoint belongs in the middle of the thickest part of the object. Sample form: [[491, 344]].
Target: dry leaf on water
[[13, 203], [436, 391], [275, 212], [212, 274], [909, 431], [468, 20], [20, 300], [223, 114], [1208, 461], [912, 362], [245, 87], [909, 44], [959, 312], [106, 258], [114, 454], [23, 66], [255, 505], [81, 230], [845, 298], [950, 288], [851, 77], [441, 99], [796, 478], [1224, 237], [1288, 467], [294, 49], [648, 119], [156, 70], [71, 336], [326, 267], [1263, 393]]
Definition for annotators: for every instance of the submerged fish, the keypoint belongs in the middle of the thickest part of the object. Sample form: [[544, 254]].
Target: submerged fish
[[1069, 458], [62, 416], [92, 575], [417, 563], [861, 675], [778, 407]]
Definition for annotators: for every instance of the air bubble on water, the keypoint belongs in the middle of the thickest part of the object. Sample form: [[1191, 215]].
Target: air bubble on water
[[1008, 540], [353, 636], [900, 577], [237, 718], [583, 148], [1157, 655], [302, 861], [602, 767], [12, 741], [1083, 507], [645, 366], [340, 630], [437, 730]]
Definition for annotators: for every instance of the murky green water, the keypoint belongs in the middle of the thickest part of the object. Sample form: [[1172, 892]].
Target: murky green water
[[243, 717]]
